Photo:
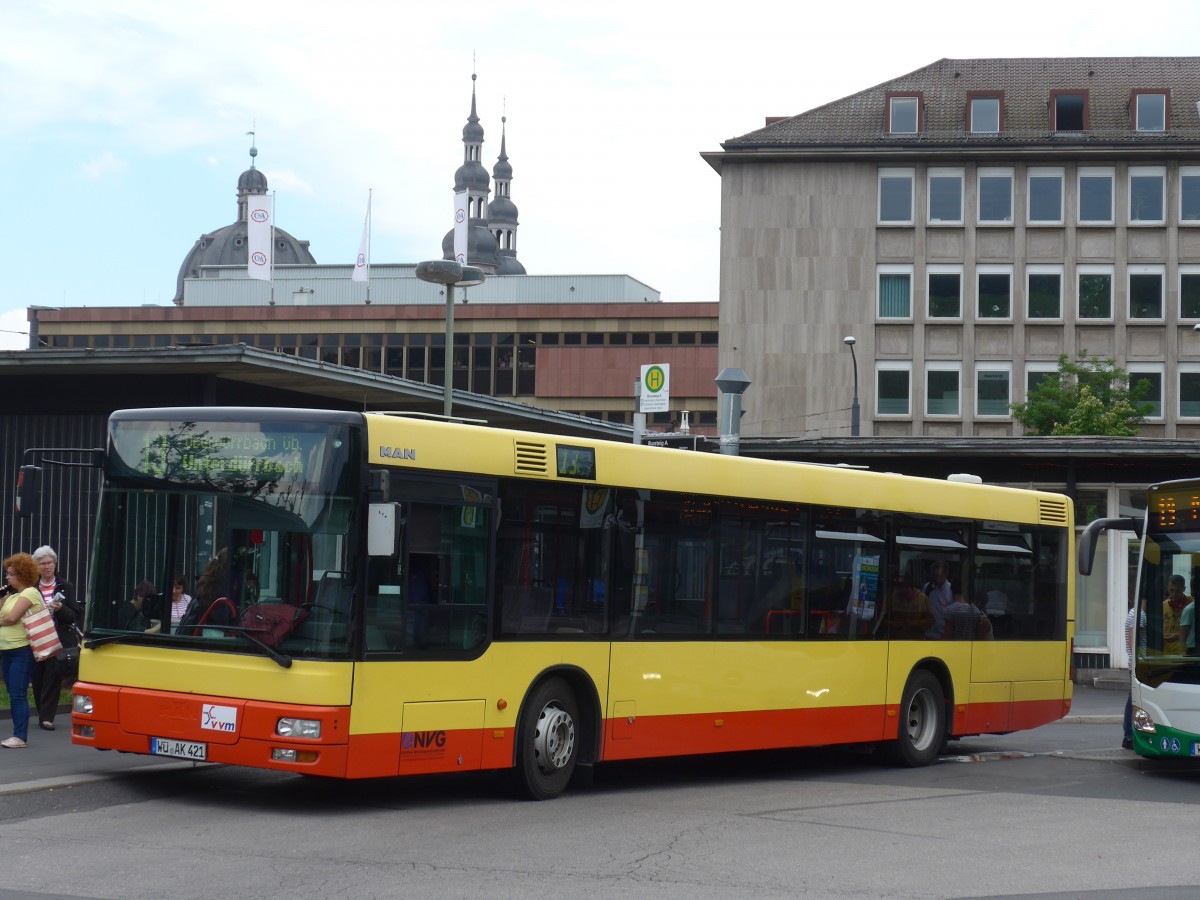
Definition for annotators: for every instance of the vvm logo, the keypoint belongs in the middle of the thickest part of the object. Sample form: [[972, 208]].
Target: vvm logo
[[422, 741]]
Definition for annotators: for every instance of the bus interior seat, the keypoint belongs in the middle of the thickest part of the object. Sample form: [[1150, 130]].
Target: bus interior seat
[[329, 615]]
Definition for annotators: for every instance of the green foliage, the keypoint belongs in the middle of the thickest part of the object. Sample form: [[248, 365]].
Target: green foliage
[[1087, 396]]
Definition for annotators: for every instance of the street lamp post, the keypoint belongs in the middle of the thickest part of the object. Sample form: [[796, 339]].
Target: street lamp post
[[849, 341], [451, 274]]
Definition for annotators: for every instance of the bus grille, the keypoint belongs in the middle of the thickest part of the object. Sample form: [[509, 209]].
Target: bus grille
[[1053, 512], [531, 459]]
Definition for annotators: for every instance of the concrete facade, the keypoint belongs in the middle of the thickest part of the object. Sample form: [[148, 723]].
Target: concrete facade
[[805, 242]]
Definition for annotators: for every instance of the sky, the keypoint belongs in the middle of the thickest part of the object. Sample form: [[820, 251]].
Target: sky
[[124, 121]]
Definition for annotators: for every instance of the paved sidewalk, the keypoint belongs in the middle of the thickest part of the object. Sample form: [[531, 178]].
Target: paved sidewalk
[[1095, 706]]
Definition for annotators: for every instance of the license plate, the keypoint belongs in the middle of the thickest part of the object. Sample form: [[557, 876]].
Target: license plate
[[1196, 749], [182, 749]]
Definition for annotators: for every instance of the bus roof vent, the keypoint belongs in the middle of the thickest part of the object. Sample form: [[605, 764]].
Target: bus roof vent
[[531, 458], [1053, 511]]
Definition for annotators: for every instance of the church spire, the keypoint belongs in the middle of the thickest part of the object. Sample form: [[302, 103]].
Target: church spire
[[473, 178], [502, 212]]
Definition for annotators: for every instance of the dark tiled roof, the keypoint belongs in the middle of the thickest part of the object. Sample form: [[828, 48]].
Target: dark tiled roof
[[1026, 84]]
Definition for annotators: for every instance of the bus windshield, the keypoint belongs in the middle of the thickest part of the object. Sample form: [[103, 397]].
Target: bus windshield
[[1168, 585], [204, 523]]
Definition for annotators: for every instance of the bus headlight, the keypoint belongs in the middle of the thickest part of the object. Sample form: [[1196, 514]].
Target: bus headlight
[[1142, 721], [81, 703], [298, 728]]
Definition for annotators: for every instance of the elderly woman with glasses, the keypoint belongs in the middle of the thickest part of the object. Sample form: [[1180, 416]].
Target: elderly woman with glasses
[[49, 674], [16, 656]]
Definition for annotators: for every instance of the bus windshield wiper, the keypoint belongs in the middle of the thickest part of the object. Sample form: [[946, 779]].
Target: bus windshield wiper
[[248, 633], [130, 636], [137, 636]]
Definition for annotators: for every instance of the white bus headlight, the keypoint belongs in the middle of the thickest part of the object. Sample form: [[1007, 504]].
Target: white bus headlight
[[81, 703], [1142, 720], [298, 728]]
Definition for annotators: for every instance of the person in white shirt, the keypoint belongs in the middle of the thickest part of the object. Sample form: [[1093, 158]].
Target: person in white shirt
[[179, 601]]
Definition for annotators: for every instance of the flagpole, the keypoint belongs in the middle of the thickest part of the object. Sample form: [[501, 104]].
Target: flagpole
[[368, 246], [271, 255]]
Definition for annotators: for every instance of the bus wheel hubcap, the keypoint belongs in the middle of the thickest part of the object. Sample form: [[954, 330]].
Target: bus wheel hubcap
[[553, 739], [920, 720]]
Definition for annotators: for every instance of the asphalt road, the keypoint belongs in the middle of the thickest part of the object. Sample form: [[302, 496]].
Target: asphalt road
[[1053, 813]]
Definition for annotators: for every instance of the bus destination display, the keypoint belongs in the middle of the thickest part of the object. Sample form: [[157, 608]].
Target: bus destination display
[[1174, 510], [213, 453]]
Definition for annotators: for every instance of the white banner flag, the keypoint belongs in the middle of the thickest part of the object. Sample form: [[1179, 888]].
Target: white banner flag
[[461, 222], [362, 264], [259, 225]]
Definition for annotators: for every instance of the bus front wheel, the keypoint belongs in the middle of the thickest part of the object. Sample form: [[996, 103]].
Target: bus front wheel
[[922, 721], [547, 741]]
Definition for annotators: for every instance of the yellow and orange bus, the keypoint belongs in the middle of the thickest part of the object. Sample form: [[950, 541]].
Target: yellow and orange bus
[[366, 595]]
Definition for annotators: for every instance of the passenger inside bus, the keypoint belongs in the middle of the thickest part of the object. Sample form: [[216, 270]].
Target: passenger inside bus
[[911, 614], [134, 614]]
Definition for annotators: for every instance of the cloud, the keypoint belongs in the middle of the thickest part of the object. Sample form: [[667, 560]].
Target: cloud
[[14, 330], [103, 165]]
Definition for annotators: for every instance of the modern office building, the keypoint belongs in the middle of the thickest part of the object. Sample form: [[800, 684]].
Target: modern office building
[[968, 223]]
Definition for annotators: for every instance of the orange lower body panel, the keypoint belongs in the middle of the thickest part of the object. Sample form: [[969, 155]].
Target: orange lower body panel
[[650, 736], [233, 731], [242, 732]]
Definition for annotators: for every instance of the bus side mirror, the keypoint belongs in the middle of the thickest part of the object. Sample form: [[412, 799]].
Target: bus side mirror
[[28, 485], [1091, 537]]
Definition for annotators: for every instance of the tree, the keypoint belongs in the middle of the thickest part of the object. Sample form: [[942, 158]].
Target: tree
[[1088, 396]]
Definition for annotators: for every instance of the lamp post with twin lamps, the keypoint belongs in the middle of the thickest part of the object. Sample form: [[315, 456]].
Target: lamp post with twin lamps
[[451, 274], [849, 341]]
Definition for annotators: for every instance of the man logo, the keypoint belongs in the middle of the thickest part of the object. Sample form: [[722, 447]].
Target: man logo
[[398, 453]]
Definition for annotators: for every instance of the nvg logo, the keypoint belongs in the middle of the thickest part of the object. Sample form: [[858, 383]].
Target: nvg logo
[[422, 740], [398, 453]]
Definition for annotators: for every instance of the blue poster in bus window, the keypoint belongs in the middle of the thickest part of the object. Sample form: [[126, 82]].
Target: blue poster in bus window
[[864, 589]]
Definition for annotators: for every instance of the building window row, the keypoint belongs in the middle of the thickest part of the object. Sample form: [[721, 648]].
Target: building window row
[[992, 391], [499, 365], [1067, 111], [297, 343], [1145, 196], [1047, 296]]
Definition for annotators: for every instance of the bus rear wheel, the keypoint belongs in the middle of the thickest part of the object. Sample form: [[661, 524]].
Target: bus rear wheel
[[922, 722], [547, 741]]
